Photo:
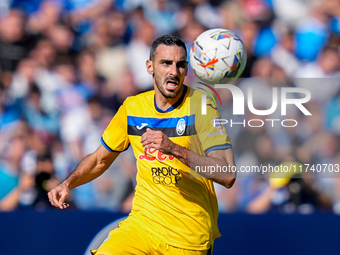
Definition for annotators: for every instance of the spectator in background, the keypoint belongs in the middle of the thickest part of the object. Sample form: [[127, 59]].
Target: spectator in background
[[58, 57], [283, 54], [74, 117], [47, 80], [161, 14], [290, 194], [62, 39], [45, 17], [138, 50], [247, 138], [249, 32], [45, 124], [326, 67], [207, 14], [32, 185], [44, 179], [184, 15], [23, 79], [233, 15], [10, 201], [99, 119], [189, 33], [111, 60], [9, 113], [128, 89], [319, 144], [89, 82], [15, 43], [28, 6], [312, 34], [332, 114], [112, 188], [12, 182], [82, 12], [44, 54], [264, 150], [291, 12], [334, 187]]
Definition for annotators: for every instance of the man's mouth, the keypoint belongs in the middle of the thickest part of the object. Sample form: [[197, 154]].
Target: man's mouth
[[171, 84]]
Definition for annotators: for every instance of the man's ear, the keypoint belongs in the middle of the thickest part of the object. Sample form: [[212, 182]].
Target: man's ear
[[149, 66]]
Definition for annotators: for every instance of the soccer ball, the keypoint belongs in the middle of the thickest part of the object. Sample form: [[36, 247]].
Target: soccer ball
[[218, 56]]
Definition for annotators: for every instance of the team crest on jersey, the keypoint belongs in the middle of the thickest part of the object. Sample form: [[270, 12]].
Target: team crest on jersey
[[180, 129]]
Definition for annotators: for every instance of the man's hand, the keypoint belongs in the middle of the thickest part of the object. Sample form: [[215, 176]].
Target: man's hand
[[92, 166], [157, 140], [58, 195]]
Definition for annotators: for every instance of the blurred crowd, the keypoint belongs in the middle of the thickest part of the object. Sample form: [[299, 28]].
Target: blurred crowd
[[66, 66]]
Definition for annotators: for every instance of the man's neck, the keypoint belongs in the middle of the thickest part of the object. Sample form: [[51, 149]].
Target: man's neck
[[164, 103]]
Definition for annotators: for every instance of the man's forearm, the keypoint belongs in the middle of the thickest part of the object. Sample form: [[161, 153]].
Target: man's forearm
[[87, 170], [224, 158], [194, 160]]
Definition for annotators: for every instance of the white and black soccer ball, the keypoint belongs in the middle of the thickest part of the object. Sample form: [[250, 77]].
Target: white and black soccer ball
[[218, 56]]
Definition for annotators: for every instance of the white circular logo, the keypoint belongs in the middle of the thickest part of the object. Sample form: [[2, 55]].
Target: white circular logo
[[180, 127]]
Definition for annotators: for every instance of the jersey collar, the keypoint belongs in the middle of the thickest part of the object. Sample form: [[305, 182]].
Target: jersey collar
[[178, 102]]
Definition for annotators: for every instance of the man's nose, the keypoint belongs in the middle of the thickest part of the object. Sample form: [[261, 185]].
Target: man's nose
[[174, 70]]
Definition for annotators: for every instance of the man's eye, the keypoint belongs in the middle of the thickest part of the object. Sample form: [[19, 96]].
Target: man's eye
[[182, 65]]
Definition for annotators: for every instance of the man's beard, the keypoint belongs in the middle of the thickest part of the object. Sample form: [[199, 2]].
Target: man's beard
[[164, 92]]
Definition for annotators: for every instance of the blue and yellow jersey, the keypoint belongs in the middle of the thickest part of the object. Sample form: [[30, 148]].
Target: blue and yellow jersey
[[168, 202]]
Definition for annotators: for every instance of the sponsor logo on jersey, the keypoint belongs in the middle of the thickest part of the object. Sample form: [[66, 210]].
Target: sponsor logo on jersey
[[172, 127], [165, 175], [143, 125], [152, 154]]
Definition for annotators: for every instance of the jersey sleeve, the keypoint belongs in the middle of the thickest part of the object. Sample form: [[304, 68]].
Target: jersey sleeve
[[210, 130], [115, 137]]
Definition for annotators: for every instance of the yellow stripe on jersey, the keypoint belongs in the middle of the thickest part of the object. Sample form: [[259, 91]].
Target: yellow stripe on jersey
[[168, 202]]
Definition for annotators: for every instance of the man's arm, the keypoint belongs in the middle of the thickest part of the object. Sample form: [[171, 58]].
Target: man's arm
[[222, 158], [88, 169], [159, 141]]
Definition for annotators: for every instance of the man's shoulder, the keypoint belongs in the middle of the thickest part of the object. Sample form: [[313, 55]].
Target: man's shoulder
[[195, 95], [194, 92], [140, 98]]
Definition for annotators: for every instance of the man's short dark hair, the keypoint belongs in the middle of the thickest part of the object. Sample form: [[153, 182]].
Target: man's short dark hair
[[168, 40]]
